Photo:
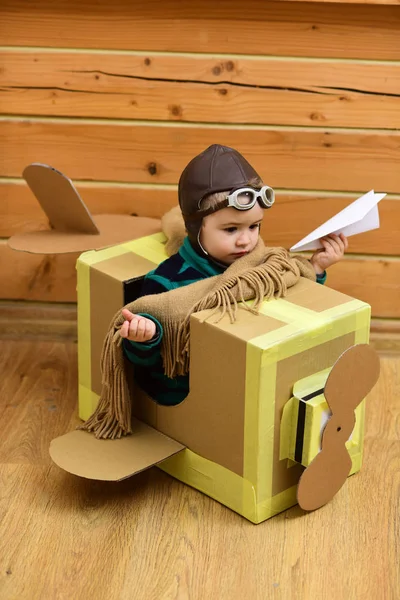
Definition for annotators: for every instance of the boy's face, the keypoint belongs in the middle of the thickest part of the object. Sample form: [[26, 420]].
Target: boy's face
[[229, 233]]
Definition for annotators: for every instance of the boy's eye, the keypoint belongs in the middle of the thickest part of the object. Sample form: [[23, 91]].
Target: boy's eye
[[230, 229], [255, 226]]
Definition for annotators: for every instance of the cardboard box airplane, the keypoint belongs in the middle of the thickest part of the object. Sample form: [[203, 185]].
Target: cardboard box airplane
[[275, 412], [261, 392]]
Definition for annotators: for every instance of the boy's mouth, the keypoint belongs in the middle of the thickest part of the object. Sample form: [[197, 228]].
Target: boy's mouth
[[238, 254]]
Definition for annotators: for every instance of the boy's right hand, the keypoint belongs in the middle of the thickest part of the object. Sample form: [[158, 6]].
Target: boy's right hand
[[136, 328]]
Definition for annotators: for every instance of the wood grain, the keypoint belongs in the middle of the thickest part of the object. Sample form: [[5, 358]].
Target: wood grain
[[34, 388], [272, 91], [150, 537], [294, 214], [352, 1], [53, 279], [157, 153], [20, 211], [265, 28], [375, 281], [38, 320], [37, 277], [386, 343]]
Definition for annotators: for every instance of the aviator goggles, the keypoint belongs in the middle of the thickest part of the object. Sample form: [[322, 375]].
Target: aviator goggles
[[241, 199], [245, 198]]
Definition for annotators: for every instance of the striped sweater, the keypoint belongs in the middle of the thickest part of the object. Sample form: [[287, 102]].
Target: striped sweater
[[183, 268]]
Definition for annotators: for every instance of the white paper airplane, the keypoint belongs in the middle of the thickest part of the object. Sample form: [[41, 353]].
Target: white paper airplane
[[361, 215]]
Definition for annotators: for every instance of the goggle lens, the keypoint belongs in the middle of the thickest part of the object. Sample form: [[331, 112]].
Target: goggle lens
[[245, 198]]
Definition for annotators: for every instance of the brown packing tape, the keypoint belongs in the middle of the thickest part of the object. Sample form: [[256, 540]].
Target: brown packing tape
[[73, 229]]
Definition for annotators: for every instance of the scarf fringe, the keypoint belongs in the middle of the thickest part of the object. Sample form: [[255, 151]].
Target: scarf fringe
[[112, 417], [263, 282]]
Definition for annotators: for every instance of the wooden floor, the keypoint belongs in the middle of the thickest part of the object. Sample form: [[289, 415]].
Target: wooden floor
[[151, 537]]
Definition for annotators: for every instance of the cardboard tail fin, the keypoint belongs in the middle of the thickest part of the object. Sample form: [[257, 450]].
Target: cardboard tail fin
[[73, 228], [59, 199]]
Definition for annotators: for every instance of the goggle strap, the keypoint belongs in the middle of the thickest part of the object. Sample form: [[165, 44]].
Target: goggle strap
[[200, 214]]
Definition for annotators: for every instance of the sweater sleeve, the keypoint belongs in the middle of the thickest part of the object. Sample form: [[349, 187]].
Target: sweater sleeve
[[147, 353]]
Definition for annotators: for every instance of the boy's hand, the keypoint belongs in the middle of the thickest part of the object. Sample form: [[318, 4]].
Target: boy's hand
[[137, 328], [334, 246]]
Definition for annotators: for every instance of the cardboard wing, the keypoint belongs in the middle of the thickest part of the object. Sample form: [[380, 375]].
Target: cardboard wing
[[73, 228], [361, 215], [80, 453]]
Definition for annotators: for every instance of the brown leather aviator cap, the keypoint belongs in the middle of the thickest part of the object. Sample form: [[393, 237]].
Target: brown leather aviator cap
[[217, 169]]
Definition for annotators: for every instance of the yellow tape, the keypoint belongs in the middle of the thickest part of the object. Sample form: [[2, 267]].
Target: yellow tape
[[309, 322], [305, 329], [356, 462], [286, 499], [316, 410], [88, 401], [301, 339], [92, 257], [362, 337], [310, 384], [259, 422], [251, 416], [266, 427], [83, 266], [151, 247], [83, 294], [288, 429], [275, 505], [363, 320], [214, 480], [291, 313], [353, 306], [316, 416]]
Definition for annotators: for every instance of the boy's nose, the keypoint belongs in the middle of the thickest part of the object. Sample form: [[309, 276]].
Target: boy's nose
[[243, 239]]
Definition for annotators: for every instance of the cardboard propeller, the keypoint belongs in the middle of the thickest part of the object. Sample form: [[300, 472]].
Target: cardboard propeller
[[73, 228], [352, 377]]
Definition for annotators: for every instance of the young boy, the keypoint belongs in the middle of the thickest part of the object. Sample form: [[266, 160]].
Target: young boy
[[222, 200]]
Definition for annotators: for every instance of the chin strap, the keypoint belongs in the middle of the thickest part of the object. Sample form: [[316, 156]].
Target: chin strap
[[203, 253]]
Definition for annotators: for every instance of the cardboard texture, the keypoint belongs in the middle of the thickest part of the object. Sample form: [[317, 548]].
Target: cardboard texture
[[234, 423], [73, 229], [84, 455]]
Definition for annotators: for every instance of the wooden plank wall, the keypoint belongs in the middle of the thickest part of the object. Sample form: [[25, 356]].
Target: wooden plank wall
[[119, 96]]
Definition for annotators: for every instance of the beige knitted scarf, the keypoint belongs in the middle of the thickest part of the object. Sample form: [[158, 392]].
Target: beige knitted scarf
[[262, 274]]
